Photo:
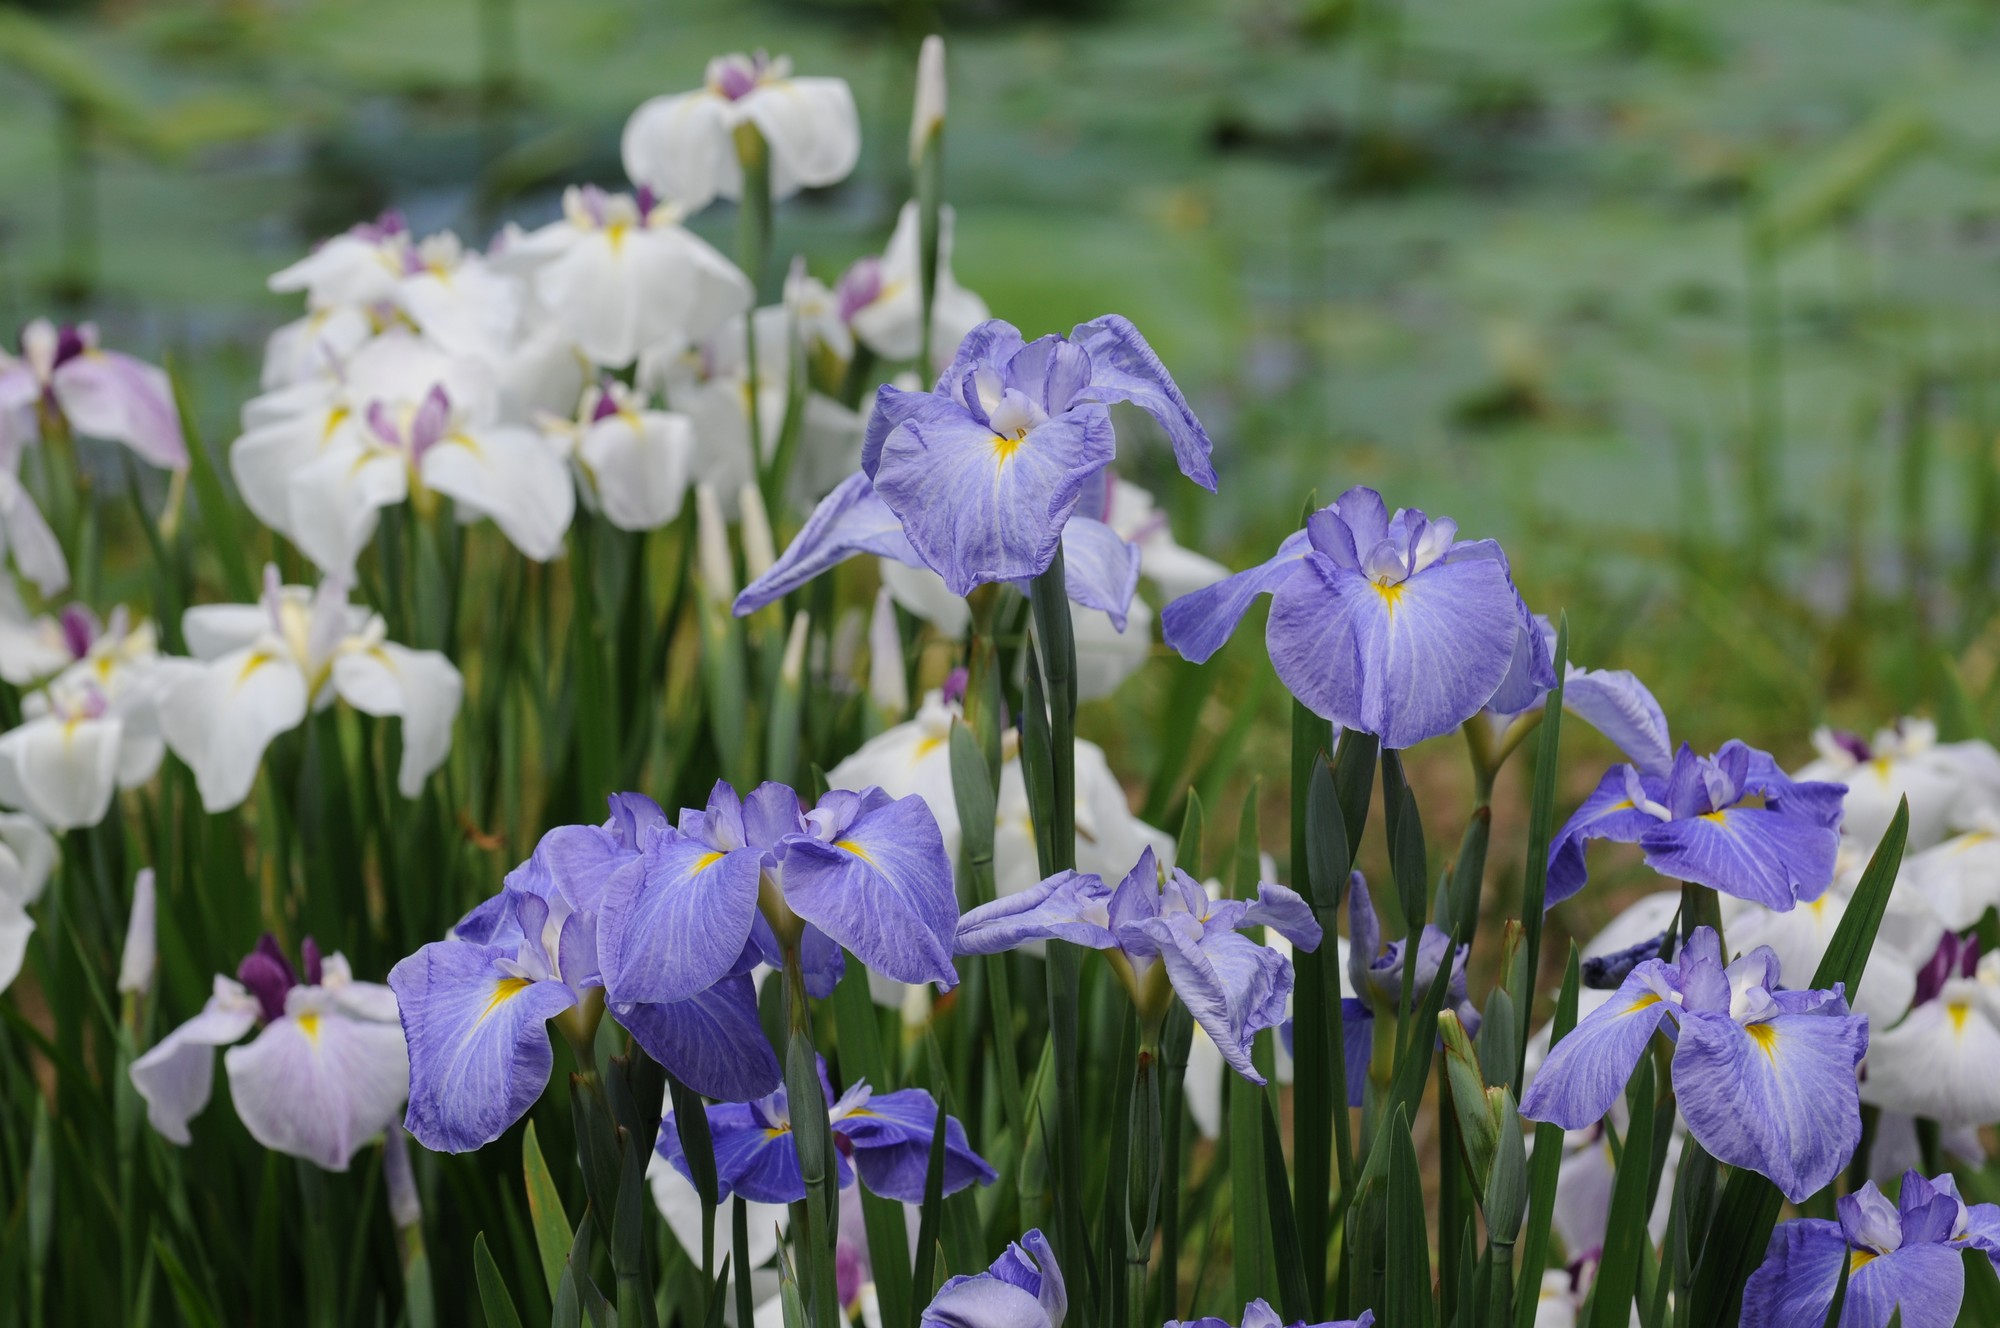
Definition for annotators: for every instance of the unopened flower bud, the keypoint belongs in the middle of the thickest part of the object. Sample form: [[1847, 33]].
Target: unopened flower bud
[[928, 116]]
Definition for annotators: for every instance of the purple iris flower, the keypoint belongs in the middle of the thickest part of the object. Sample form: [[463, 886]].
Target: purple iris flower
[[1166, 938], [62, 374], [1765, 1077], [885, 1137], [985, 469], [1376, 971], [1733, 821], [1100, 570], [1612, 701], [1259, 1314], [1386, 624], [861, 870], [1022, 1289], [1900, 1256], [475, 1007]]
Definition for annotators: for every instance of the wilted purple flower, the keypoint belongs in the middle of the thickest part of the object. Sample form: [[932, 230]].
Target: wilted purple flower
[[1385, 624], [1376, 972], [1167, 938], [1765, 1077], [1696, 822], [1022, 1289], [887, 1136], [476, 1006], [1901, 1257], [326, 1075]]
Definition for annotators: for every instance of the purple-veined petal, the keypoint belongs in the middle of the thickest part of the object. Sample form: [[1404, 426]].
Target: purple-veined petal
[[1230, 984], [108, 395], [1778, 1097], [1197, 624], [1530, 669], [712, 1042], [1608, 813], [1583, 1074], [891, 1134], [1124, 368], [1926, 1283], [1754, 853], [677, 923], [177, 1074], [1100, 570], [883, 889], [753, 1159], [1357, 1044], [479, 1047], [1404, 662], [1282, 909], [319, 1083], [979, 507], [1794, 1286], [1618, 705], [1070, 906], [849, 521]]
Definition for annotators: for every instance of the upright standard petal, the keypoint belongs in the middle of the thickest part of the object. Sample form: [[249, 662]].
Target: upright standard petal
[[981, 506], [319, 1083], [1124, 368], [1584, 1073], [1197, 624], [1778, 1096], [479, 1048], [882, 888], [1405, 662]]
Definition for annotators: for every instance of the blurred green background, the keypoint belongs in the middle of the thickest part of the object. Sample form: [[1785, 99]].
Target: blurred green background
[[1691, 304]]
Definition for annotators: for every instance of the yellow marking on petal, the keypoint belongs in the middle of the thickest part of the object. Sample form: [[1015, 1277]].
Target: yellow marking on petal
[[1391, 594], [506, 989], [1971, 840], [309, 1025], [104, 666], [334, 419], [465, 442], [1818, 906], [1766, 1038], [855, 849], [1005, 445], [1882, 765], [1645, 1002], [1720, 818], [776, 1131], [1622, 805], [258, 659], [926, 746], [615, 233], [1959, 1012], [1860, 1259], [707, 860]]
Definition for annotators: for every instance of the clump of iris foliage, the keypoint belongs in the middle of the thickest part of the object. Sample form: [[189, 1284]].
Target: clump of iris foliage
[[808, 1003]]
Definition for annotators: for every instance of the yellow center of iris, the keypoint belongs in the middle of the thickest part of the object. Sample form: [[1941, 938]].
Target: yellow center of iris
[[853, 848], [1647, 1001], [1860, 1259], [1392, 594], [1765, 1036], [1720, 818], [309, 1025], [1006, 444], [1958, 1010], [707, 860], [506, 989]]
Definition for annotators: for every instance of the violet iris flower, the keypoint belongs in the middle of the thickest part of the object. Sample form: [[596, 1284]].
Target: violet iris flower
[[1697, 822], [63, 375], [1765, 1077], [1259, 1314], [1385, 624], [887, 1136], [1376, 972], [861, 870], [1903, 1256], [1165, 938], [979, 479], [1022, 1289], [327, 1073], [476, 1005]]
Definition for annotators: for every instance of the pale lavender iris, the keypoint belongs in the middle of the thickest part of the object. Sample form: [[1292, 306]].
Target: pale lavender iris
[[885, 1137], [326, 1074], [1902, 1257], [1612, 701], [1385, 624], [476, 1006], [1733, 821], [1765, 1077], [1022, 1289], [860, 870], [64, 376], [1259, 1314], [1166, 938]]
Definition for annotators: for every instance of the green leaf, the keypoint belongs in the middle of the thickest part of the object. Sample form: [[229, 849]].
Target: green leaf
[[194, 1307], [1187, 848], [1625, 1236], [493, 1295], [1544, 1171], [1407, 1270], [545, 1209], [1292, 1295], [930, 1216]]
